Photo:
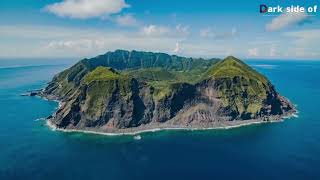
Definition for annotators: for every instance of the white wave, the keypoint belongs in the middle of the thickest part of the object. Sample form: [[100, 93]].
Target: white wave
[[136, 133], [266, 66], [138, 137], [295, 115], [40, 119]]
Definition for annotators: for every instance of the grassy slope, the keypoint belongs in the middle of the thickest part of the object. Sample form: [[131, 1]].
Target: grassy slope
[[250, 82], [159, 69], [231, 67], [151, 74], [242, 88], [102, 74], [102, 82]]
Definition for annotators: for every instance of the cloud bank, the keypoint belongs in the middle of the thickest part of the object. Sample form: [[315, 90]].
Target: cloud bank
[[253, 52], [155, 30], [54, 41], [126, 20], [210, 33], [84, 9], [286, 20]]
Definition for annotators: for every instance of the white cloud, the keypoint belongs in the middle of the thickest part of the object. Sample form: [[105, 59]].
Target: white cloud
[[253, 52], [286, 20], [182, 30], [154, 30], [304, 34], [84, 9], [234, 31], [36, 32], [304, 43], [179, 31], [209, 33], [52, 41], [272, 51], [126, 20], [55, 41], [177, 48], [76, 45]]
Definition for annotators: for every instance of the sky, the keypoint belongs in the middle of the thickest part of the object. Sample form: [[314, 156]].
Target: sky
[[197, 28]]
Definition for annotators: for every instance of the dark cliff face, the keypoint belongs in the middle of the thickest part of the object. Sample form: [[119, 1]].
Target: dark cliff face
[[171, 104], [106, 105], [104, 99]]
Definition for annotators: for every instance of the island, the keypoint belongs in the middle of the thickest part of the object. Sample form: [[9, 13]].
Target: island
[[127, 92]]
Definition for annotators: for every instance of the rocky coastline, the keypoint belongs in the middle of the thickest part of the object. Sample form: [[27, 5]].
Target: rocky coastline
[[155, 127], [162, 127]]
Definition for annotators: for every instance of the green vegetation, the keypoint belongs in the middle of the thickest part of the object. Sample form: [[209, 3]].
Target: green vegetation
[[102, 83], [232, 67], [240, 87], [163, 80], [102, 74], [108, 76], [67, 82], [154, 68], [124, 60], [162, 88], [98, 91], [151, 74], [242, 95]]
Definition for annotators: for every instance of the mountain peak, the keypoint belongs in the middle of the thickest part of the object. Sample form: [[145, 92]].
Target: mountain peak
[[233, 67], [101, 74], [231, 57]]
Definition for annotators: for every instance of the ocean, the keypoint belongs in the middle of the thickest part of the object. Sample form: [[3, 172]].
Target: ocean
[[283, 150]]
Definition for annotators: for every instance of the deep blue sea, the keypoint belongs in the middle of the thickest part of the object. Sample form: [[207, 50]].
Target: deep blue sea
[[285, 150]]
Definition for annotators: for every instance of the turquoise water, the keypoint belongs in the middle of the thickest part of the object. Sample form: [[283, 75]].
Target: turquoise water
[[286, 150]]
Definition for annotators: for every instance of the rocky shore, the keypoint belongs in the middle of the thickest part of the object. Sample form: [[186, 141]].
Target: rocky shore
[[163, 127]]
